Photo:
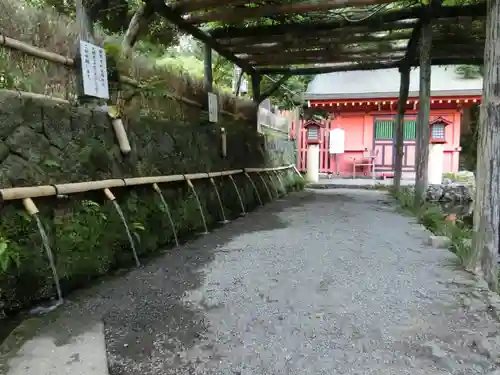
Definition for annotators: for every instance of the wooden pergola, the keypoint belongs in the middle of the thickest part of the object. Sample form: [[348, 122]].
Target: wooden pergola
[[304, 37]]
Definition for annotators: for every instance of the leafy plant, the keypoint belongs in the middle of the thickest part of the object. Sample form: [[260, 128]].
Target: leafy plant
[[7, 255]]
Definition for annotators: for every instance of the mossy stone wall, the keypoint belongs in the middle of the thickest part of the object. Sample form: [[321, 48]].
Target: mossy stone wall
[[42, 142]]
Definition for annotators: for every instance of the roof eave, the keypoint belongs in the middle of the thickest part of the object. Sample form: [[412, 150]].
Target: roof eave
[[372, 95]]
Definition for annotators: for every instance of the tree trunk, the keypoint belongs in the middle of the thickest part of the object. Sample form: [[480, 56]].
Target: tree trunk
[[138, 22], [487, 203], [404, 87], [423, 117]]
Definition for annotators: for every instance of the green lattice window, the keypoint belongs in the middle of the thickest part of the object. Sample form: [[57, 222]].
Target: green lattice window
[[384, 130], [410, 130]]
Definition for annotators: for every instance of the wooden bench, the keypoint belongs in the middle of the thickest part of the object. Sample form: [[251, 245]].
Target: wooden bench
[[367, 160]]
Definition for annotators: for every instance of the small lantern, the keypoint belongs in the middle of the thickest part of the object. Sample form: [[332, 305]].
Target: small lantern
[[313, 135], [437, 130]]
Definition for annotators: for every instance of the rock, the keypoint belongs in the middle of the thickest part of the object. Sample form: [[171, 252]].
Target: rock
[[450, 192], [447, 181], [439, 242]]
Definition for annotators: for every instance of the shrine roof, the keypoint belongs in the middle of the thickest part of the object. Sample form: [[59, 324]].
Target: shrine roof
[[384, 83]]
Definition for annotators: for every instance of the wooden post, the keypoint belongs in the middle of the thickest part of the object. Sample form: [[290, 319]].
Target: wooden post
[[485, 245], [298, 133], [256, 78], [423, 117], [85, 33], [404, 87], [208, 69]]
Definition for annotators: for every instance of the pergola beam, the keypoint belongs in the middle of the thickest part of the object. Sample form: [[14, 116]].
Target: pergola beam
[[230, 15], [334, 50], [396, 56], [348, 67], [297, 35], [375, 20], [394, 30], [175, 18], [335, 46], [438, 51], [311, 43]]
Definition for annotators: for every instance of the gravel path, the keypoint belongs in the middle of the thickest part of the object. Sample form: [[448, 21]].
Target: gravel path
[[329, 282]]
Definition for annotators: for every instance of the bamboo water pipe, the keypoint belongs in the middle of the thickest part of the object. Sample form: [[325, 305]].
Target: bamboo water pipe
[[30, 206], [223, 139], [133, 181], [119, 129], [21, 193], [109, 194]]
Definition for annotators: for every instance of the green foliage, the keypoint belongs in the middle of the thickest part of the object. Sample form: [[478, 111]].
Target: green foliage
[[7, 255], [433, 218], [114, 17]]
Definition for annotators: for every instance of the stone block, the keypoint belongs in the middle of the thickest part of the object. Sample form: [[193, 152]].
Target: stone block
[[46, 353], [439, 242], [30, 145], [57, 124], [11, 109]]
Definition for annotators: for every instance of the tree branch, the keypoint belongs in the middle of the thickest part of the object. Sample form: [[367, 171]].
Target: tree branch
[[276, 85], [137, 24]]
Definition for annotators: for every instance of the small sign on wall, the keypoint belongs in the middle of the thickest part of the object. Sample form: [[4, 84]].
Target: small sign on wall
[[94, 70], [336, 141], [213, 107]]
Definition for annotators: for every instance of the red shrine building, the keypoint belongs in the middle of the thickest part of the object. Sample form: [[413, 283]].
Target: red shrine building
[[364, 103]]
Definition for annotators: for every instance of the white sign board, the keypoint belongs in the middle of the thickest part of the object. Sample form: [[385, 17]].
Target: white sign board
[[94, 70], [336, 141], [213, 107], [243, 81]]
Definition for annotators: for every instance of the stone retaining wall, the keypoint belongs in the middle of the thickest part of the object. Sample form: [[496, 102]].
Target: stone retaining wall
[[42, 142]]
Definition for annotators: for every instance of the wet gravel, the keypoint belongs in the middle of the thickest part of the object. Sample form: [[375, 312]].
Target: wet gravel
[[327, 282]]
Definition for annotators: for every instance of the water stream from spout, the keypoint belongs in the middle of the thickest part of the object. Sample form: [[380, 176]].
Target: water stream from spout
[[224, 220], [200, 208], [129, 235], [265, 185], [254, 188], [239, 196], [273, 184], [50, 256], [280, 181], [167, 210]]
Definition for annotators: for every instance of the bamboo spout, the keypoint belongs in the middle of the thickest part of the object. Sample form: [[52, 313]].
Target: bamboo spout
[[30, 206], [109, 194], [119, 129]]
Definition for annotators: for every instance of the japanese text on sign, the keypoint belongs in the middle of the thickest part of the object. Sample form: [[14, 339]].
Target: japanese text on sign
[[94, 70]]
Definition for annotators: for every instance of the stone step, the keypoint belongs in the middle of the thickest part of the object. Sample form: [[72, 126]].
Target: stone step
[[53, 346]]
